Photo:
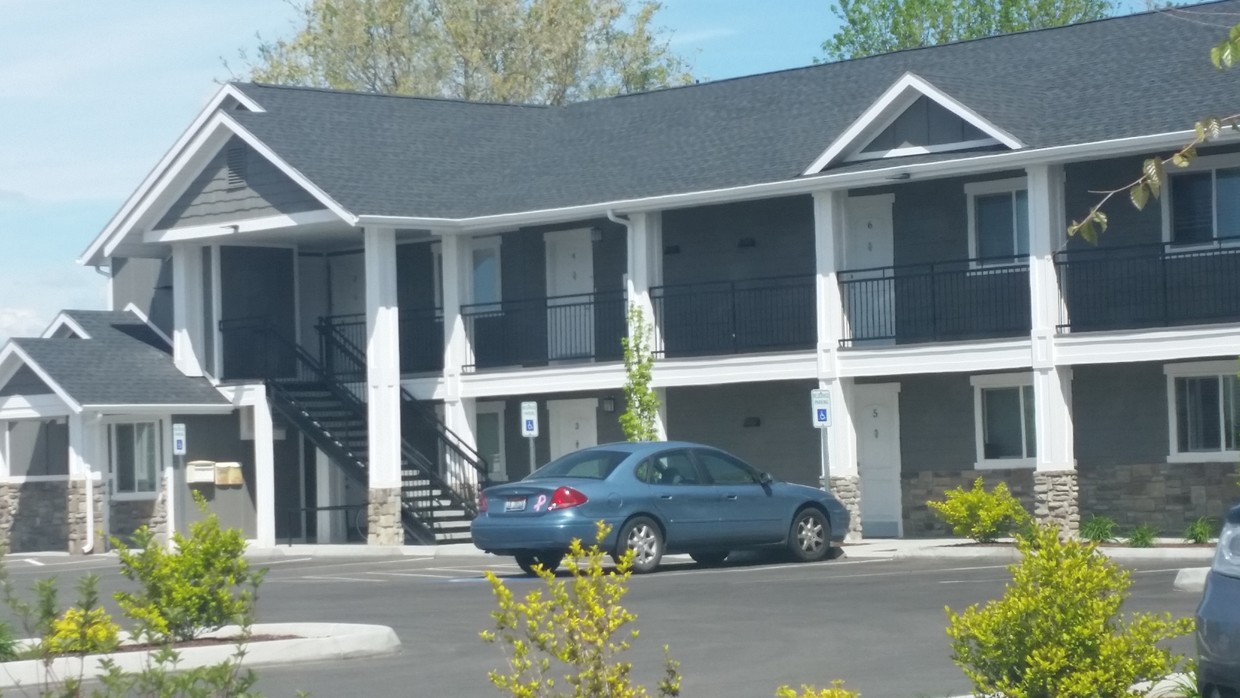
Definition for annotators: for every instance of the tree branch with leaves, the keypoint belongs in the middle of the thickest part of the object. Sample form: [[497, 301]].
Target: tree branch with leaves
[[641, 414]]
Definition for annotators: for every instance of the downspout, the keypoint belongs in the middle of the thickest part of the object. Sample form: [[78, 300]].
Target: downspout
[[89, 546]]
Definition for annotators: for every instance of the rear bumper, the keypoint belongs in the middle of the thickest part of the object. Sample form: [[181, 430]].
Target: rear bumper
[[1218, 633], [507, 537]]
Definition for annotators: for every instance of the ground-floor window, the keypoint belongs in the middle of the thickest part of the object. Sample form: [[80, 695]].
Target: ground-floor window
[[134, 457], [1202, 401], [1004, 420]]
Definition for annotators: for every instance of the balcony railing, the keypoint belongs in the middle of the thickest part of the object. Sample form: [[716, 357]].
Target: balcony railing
[[736, 317], [538, 331], [1159, 285], [421, 342], [939, 302], [249, 352]]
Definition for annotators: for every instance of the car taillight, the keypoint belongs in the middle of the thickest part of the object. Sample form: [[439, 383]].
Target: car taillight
[[566, 498], [1227, 554], [482, 503]]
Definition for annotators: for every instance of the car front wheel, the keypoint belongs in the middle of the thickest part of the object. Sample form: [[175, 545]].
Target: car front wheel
[[548, 561], [643, 537], [810, 537]]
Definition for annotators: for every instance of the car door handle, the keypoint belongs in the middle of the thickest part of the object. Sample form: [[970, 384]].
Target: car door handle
[[730, 497], [665, 496]]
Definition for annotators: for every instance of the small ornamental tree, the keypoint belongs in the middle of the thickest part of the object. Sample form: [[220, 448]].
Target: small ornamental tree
[[641, 402]]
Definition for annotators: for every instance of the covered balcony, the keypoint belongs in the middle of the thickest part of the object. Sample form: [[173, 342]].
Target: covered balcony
[[736, 317], [546, 331]]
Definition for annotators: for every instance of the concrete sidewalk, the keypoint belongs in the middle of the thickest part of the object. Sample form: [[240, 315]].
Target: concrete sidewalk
[[958, 549]]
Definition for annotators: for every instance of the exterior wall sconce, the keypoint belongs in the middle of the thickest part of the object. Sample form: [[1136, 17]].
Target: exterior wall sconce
[[609, 404]]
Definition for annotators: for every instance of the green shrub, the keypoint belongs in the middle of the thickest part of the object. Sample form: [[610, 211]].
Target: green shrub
[[1142, 536], [202, 585], [1201, 531], [578, 626], [84, 628], [1057, 631], [836, 690], [1098, 529], [981, 515]]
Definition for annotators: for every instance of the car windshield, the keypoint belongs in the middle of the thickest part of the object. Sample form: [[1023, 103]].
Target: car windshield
[[596, 465]]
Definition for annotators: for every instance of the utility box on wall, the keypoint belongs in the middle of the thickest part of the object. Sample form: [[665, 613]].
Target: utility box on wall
[[200, 472], [228, 474]]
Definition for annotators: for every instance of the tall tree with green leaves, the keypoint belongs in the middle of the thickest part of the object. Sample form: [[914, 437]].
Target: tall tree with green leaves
[[870, 27], [517, 51]]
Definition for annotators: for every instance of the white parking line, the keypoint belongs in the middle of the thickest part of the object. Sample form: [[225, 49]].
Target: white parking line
[[899, 573], [280, 562], [764, 568], [414, 574], [344, 579]]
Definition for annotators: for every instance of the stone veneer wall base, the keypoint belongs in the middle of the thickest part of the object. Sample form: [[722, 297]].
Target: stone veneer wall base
[[847, 489], [383, 517], [1055, 499]]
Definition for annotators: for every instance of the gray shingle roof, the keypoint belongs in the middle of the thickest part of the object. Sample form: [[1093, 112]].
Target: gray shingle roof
[[123, 363], [403, 156]]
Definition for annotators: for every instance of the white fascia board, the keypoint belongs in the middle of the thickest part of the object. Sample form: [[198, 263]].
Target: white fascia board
[[426, 387], [176, 175], [105, 409], [13, 352], [1180, 343], [62, 319], [131, 308], [947, 357], [240, 227], [243, 394], [902, 93], [90, 254], [566, 379], [973, 164], [746, 368], [32, 407]]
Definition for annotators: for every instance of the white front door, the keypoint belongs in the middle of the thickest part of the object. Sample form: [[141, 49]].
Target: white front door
[[869, 297], [878, 458], [489, 433], [574, 425], [570, 283]]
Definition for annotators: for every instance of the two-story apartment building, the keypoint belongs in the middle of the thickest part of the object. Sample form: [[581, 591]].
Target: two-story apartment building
[[345, 297]]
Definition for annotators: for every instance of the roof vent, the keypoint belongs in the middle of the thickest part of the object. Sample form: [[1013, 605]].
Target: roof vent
[[235, 158]]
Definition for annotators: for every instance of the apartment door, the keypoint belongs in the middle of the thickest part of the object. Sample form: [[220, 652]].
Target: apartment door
[[570, 283], [489, 432], [869, 288], [877, 420], [574, 425]]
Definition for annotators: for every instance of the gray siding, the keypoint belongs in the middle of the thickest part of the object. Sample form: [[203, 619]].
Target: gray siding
[[415, 276], [264, 191], [218, 438], [1120, 414], [708, 237], [784, 444], [38, 448], [936, 423], [924, 122], [24, 382], [147, 283]]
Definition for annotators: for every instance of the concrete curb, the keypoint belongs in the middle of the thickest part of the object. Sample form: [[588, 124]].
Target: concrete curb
[[316, 642], [1170, 687], [1009, 554], [1191, 579], [363, 551]]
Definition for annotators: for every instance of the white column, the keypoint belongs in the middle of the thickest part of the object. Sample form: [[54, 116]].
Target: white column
[[264, 473], [454, 251], [828, 238], [187, 301], [645, 266], [840, 439], [382, 359], [1052, 396], [460, 416]]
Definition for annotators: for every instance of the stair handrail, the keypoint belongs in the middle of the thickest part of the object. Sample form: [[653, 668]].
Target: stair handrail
[[333, 339]]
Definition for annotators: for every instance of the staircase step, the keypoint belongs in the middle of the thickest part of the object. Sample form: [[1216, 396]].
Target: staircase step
[[452, 537], [457, 525]]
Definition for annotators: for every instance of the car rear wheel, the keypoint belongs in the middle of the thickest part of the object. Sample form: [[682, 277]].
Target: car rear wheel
[[709, 557], [810, 537], [643, 537], [548, 561]]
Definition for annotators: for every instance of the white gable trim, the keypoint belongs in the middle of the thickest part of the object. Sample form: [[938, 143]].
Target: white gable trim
[[32, 407], [890, 105], [64, 320], [12, 357], [173, 175], [249, 225], [131, 308]]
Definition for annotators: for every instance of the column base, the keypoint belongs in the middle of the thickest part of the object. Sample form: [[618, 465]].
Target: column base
[[847, 489], [383, 517], [1055, 499]]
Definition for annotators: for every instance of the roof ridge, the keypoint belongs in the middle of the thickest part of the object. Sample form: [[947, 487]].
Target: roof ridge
[[427, 98]]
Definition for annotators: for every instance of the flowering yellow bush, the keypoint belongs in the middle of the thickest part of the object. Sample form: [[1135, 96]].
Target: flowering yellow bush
[[577, 627], [82, 631], [836, 690], [981, 515]]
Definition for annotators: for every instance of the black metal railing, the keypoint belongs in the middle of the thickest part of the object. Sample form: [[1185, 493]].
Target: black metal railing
[[736, 317], [1159, 285], [421, 342], [251, 350], [938, 302], [537, 331]]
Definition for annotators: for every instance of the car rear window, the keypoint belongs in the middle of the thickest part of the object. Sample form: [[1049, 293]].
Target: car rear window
[[596, 465]]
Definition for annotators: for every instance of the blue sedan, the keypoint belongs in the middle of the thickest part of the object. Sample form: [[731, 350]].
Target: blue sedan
[[664, 497], [1218, 617]]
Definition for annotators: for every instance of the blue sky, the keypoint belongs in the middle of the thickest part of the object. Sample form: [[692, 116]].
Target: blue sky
[[93, 93]]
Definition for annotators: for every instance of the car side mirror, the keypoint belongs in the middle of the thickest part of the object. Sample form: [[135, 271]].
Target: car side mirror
[[765, 479]]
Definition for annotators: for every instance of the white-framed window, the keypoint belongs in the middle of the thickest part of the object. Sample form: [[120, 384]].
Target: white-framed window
[[485, 282], [1202, 415], [998, 220], [1203, 202], [1004, 420], [134, 450]]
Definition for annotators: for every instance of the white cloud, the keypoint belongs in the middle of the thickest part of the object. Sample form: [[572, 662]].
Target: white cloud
[[20, 322], [692, 37]]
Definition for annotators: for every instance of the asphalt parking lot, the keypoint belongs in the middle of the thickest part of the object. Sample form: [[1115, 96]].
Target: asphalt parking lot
[[739, 630]]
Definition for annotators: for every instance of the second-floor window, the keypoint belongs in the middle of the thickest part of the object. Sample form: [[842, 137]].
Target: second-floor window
[[1205, 206], [998, 220]]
